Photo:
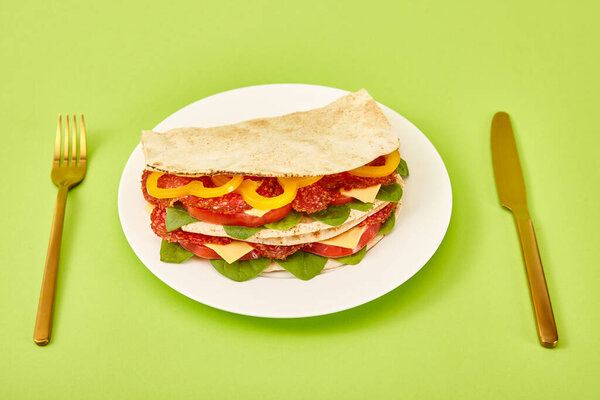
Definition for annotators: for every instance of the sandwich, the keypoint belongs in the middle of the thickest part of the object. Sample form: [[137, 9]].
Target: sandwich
[[303, 192]]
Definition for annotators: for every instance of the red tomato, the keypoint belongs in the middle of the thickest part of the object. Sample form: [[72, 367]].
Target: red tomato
[[240, 218], [340, 199], [200, 250], [327, 250], [206, 252]]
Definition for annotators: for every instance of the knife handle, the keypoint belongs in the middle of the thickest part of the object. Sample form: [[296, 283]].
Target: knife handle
[[540, 298]]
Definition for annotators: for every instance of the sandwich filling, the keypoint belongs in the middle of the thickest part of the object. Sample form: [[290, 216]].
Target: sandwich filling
[[328, 198]]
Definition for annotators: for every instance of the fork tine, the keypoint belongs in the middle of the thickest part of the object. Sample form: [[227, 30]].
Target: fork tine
[[65, 157], [74, 142], [56, 160], [82, 140]]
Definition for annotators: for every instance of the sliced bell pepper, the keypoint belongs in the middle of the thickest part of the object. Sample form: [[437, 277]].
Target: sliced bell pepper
[[194, 188], [368, 171], [229, 183]]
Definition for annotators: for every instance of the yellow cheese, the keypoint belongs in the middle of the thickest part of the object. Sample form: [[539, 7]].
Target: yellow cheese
[[149, 208], [348, 239], [366, 195], [256, 212], [231, 252]]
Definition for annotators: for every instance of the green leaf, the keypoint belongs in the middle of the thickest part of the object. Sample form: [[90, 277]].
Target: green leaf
[[287, 222], [172, 252], [177, 217], [241, 270], [353, 259], [359, 205], [332, 215], [240, 232], [388, 225], [303, 265], [391, 192], [402, 168]]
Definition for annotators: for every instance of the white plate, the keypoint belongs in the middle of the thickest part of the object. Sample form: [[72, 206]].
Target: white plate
[[421, 226]]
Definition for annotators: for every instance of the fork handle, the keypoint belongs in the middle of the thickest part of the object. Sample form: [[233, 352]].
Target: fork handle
[[540, 298], [43, 321]]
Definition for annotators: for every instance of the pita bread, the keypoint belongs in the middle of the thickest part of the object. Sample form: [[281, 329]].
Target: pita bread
[[341, 136], [307, 231]]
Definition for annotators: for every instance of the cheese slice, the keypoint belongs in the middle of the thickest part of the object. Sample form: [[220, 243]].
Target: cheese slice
[[256, 212], [231, 252], [348, 239], [366, 195], [149, 208]]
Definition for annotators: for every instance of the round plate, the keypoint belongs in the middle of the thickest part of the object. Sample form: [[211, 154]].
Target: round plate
[[419, 230]]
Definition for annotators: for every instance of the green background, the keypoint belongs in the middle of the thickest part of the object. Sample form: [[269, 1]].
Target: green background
[[461, 328]]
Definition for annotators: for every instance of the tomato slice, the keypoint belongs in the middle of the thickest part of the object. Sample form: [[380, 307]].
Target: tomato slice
[[327, 250], [239, 218], [340, 199], [200, 250], [206, 252]]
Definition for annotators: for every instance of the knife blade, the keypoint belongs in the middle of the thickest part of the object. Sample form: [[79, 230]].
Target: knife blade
[[511, 192], [507, 167]]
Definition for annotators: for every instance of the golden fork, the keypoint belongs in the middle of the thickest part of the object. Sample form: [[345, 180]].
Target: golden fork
[[67, 172]]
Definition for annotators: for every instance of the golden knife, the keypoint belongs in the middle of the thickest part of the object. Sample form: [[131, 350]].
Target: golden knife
[[511, 191]]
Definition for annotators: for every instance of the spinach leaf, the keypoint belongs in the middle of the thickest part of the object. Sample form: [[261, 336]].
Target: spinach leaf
[[332, 215], [177, 217], [240, 232], [360, 206], [303, 265], [241, 270], [287, 222], [388, 225], [353, 259], [391, 192], [402, 168], [173, 252]]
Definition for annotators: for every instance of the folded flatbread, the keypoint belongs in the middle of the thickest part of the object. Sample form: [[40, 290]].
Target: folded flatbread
[[341, 136]]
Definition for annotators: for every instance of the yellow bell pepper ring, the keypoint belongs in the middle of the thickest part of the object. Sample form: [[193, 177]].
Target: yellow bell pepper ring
[[249, 187], [248, 191], [194, 188], [368, 171], [220, 179]]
